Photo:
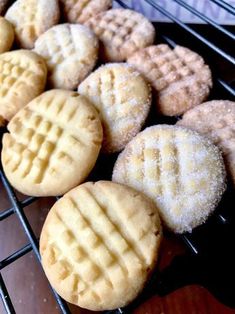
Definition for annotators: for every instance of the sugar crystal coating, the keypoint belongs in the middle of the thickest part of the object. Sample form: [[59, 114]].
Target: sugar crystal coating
[[182, 171]]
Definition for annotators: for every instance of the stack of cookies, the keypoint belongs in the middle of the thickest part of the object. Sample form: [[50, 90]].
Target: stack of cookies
[[79, 82]]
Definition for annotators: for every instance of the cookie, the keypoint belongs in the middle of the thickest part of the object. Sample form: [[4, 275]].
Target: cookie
[[216, 120], [79, 11], [123, 99], [6, 35], [3, 5], [22, 77], [99, 244], [53, 144], [121, 33], [70, 51], [31, 18], [179, 76], [182, 171]]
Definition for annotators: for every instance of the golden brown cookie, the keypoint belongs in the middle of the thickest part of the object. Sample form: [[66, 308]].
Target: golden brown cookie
[[179, 76], [182, 171], [99, 244], [121, 33], [123, 99], [6, 35], [53, 144], [31, 18], [70, 51], [23, 76], [79, 11], [216, 120]]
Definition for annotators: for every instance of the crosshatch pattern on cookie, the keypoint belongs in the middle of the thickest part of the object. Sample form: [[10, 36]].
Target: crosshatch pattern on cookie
[[179, 169], [22, 77], [123, 99], [48, 138], [79, 11], [100, 248], [216, 120], [31, 18], [122, 32], [180, 76], [70, 52], [6, 35]]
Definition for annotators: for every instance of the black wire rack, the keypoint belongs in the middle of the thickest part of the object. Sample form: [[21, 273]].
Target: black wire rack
[[158, 283]]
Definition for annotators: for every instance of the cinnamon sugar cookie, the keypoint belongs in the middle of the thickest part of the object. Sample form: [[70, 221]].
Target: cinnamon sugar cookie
[[6, 35], [53, 144], [182, 171], [121, 33], [123, 99], [23, 76], [179, 76], [79, 11], [99, 244], [215, 119], [31, 18], [70, 51]]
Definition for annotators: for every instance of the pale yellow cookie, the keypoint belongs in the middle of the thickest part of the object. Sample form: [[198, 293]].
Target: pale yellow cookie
[[99, 245], [123, 99], [215, 119], [179, 76], [31, 18], [71, 51], [121, 33], [3, 5], [182, 171], [23, 76], [6, 35], [53, 144], [79, 11]]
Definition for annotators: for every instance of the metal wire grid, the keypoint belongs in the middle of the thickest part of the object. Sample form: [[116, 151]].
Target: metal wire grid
[[18, 207]]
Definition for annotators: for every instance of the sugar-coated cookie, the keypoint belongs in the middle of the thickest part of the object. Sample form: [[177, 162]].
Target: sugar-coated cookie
[[182, 171], [79, 11], [23, 76], [215, 119], [6, 35], [179, 76], [123, 99], [121, 33], [99, 245], [70, 51], [31, 18], [53, 144]]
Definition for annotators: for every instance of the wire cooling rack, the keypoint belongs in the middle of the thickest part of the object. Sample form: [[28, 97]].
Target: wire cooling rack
[[222, 217]]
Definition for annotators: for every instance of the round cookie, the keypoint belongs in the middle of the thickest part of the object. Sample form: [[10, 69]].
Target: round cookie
[[99, 245], [123, 99], [31, 18], [71, 51], [23, 76], [53, 144], [3, 5], [182, 171], [79, 11], [179, 76], [216, 120], [6, 35], [121, 33]]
